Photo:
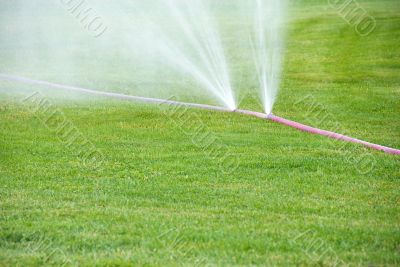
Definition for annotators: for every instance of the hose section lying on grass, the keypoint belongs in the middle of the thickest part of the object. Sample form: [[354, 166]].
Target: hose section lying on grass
[[271, 117]]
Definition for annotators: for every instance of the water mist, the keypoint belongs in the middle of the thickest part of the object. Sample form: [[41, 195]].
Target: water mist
[[267, 44]]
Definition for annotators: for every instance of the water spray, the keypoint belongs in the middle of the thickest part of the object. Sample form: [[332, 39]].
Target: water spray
[[260, 115]]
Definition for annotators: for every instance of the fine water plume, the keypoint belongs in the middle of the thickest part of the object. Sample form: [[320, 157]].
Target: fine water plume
[[267, 45], [195, 48], [177, 41]]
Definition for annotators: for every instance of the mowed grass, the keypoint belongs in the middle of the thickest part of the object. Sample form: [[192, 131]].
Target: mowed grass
[[161, 197]]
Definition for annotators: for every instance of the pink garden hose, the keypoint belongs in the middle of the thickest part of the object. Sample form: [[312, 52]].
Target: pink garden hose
[[313, 130], [271, 117]]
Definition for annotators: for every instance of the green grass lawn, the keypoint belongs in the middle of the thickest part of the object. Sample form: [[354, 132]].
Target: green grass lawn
[[161, 195]]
